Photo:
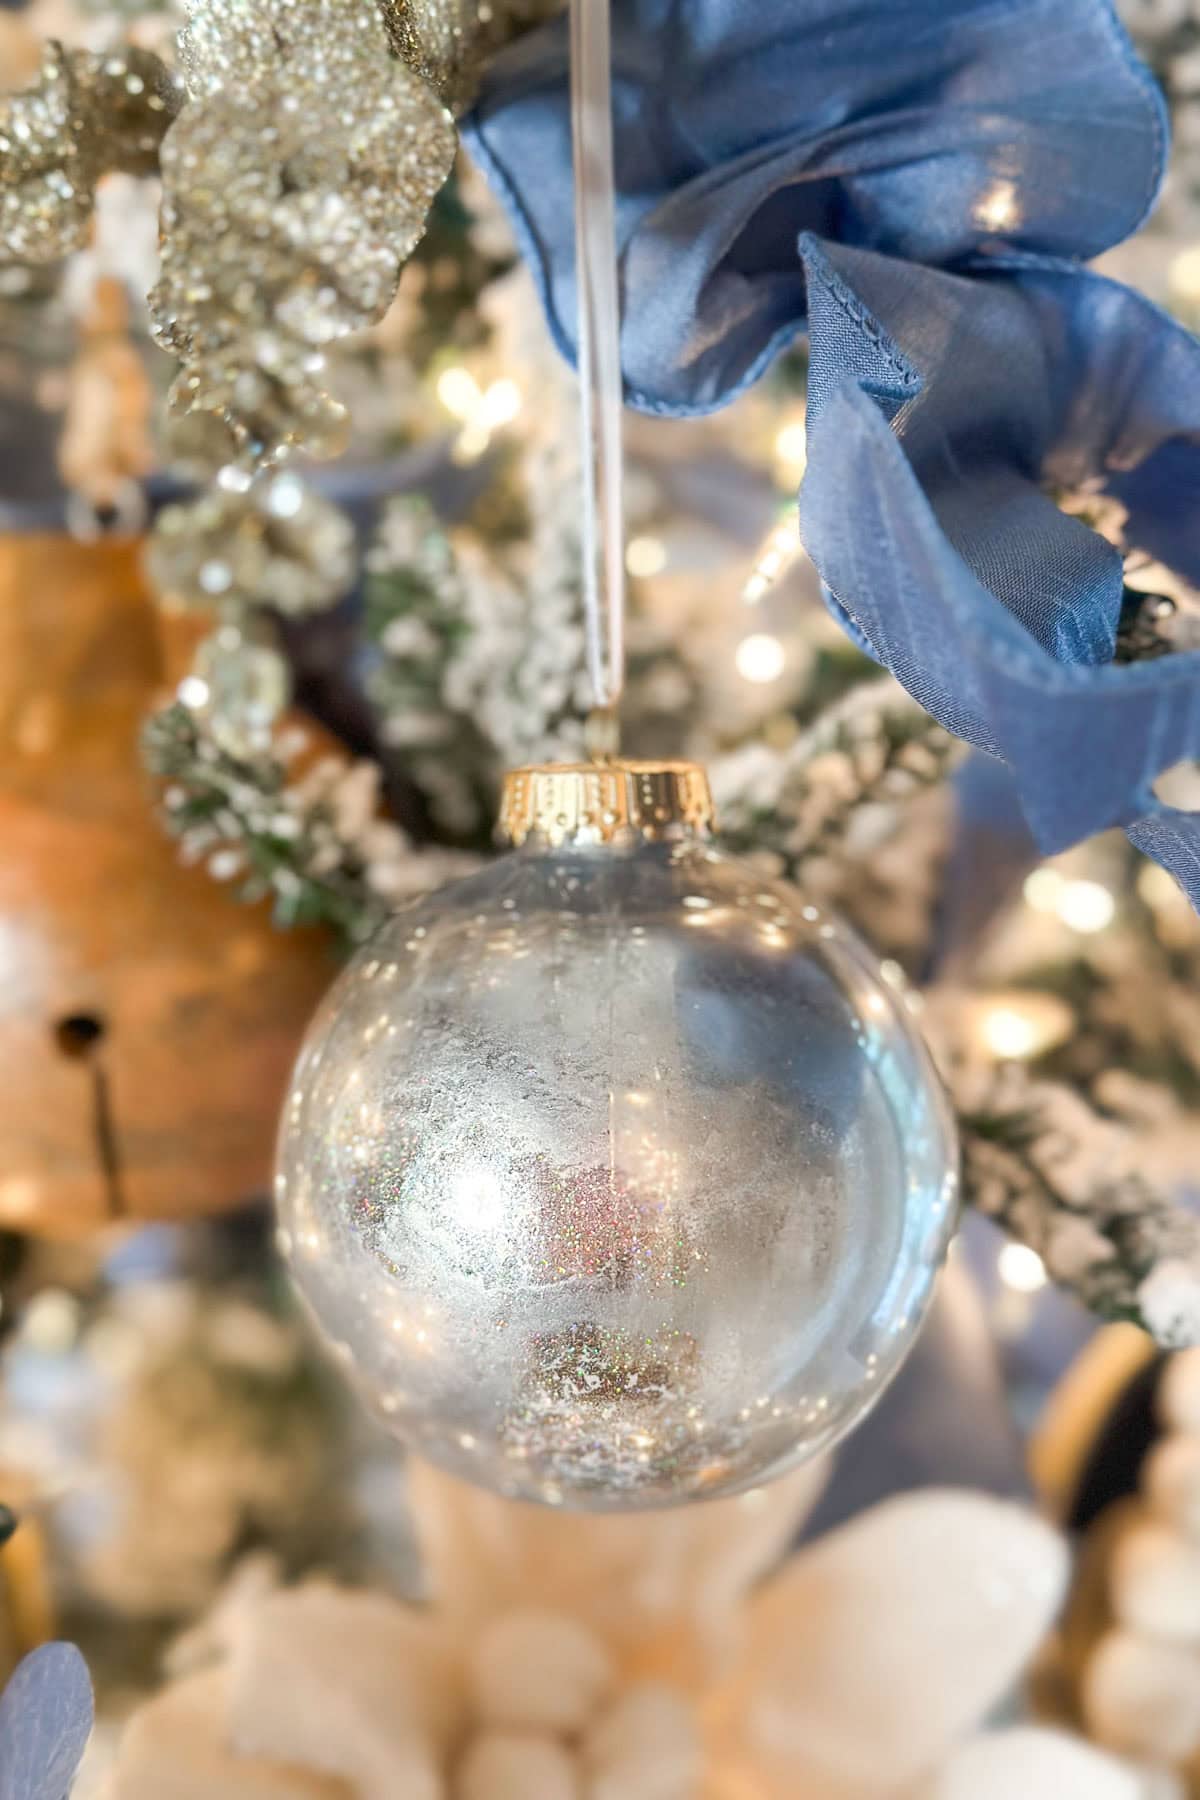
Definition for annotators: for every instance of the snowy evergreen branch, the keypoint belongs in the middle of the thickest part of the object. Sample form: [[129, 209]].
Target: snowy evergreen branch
[[1060, 1178], [313, 842]]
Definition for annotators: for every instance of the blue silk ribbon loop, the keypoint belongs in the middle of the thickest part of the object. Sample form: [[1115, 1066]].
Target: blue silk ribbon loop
[[927, 129], [916, 184], [938, 542]]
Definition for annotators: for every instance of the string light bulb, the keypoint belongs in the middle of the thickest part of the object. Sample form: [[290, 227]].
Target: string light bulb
[[1081, 905], [1086, 907], [645, 557], [482, 412], [999, 208], [1018, 1026], [1021, 1269], [760, 658], [780, 551]]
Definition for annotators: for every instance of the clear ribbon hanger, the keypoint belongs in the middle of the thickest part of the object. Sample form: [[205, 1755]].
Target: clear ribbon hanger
[[600, 384]]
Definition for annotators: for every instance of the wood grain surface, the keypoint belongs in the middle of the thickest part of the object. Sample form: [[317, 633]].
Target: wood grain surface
[[147, 1020]]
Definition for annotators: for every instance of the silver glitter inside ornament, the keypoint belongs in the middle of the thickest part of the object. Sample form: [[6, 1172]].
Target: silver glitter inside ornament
[[616, 1172]]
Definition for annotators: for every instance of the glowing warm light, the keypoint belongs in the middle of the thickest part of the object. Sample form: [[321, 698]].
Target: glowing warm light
[[1158, 889], [1021, 1269], [193, 692], [1086, 906], [1043, 890], [19, 1197], [481, 411], [760, 657], [1183, 276], [1017, 1026], [501, 403], [999, 209], [791, 452], [459, 392], [780, 550], [645, 556], [1009, 1034]]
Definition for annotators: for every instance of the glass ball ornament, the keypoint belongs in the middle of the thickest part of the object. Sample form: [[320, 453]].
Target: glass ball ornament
[[617, 1173]]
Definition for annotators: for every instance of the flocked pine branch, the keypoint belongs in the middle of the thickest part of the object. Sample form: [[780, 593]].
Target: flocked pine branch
[[875, 747], [314, 842], [478, 659], [478, 653], [824, 809], [1059, 1177]]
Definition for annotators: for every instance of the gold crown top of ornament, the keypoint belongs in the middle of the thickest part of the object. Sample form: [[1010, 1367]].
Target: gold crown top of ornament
[[605, 802]]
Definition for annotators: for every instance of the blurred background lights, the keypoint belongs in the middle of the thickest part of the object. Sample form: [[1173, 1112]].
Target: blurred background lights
[[1084, 906], [780, 550], [1021, 1269], [459, 392], [480, 411], [760, 657], [999, 209], [1018, 1026], [1043, 888], [1183, 280], [645, 556], [1010, 1034]]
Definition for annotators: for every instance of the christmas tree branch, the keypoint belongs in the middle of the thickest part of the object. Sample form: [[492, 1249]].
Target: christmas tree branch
[[314, 843], [875, 747], [1059, 1178]]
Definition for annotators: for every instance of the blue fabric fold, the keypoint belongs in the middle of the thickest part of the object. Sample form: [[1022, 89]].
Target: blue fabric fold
[[938, 543], [916, 183], [924, 128]]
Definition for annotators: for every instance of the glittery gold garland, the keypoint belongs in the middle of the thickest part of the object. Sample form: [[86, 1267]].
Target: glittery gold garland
[[448, 42], [295, 183], [271, 538], [86, 116], [308, 140], [436, 40], [297, 180]]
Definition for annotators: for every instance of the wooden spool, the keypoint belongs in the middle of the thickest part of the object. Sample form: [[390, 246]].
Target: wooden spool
[[147, 1020]]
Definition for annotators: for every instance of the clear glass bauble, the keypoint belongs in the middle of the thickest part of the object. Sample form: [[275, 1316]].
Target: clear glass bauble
[[619, 1176]]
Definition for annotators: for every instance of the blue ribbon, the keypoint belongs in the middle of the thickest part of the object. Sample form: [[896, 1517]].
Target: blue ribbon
[[916, 183]]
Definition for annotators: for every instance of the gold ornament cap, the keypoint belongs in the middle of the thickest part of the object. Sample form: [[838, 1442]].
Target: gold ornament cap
[[605, 802]]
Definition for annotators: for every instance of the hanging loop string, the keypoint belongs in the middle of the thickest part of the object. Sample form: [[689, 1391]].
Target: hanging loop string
[[600, 386]]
